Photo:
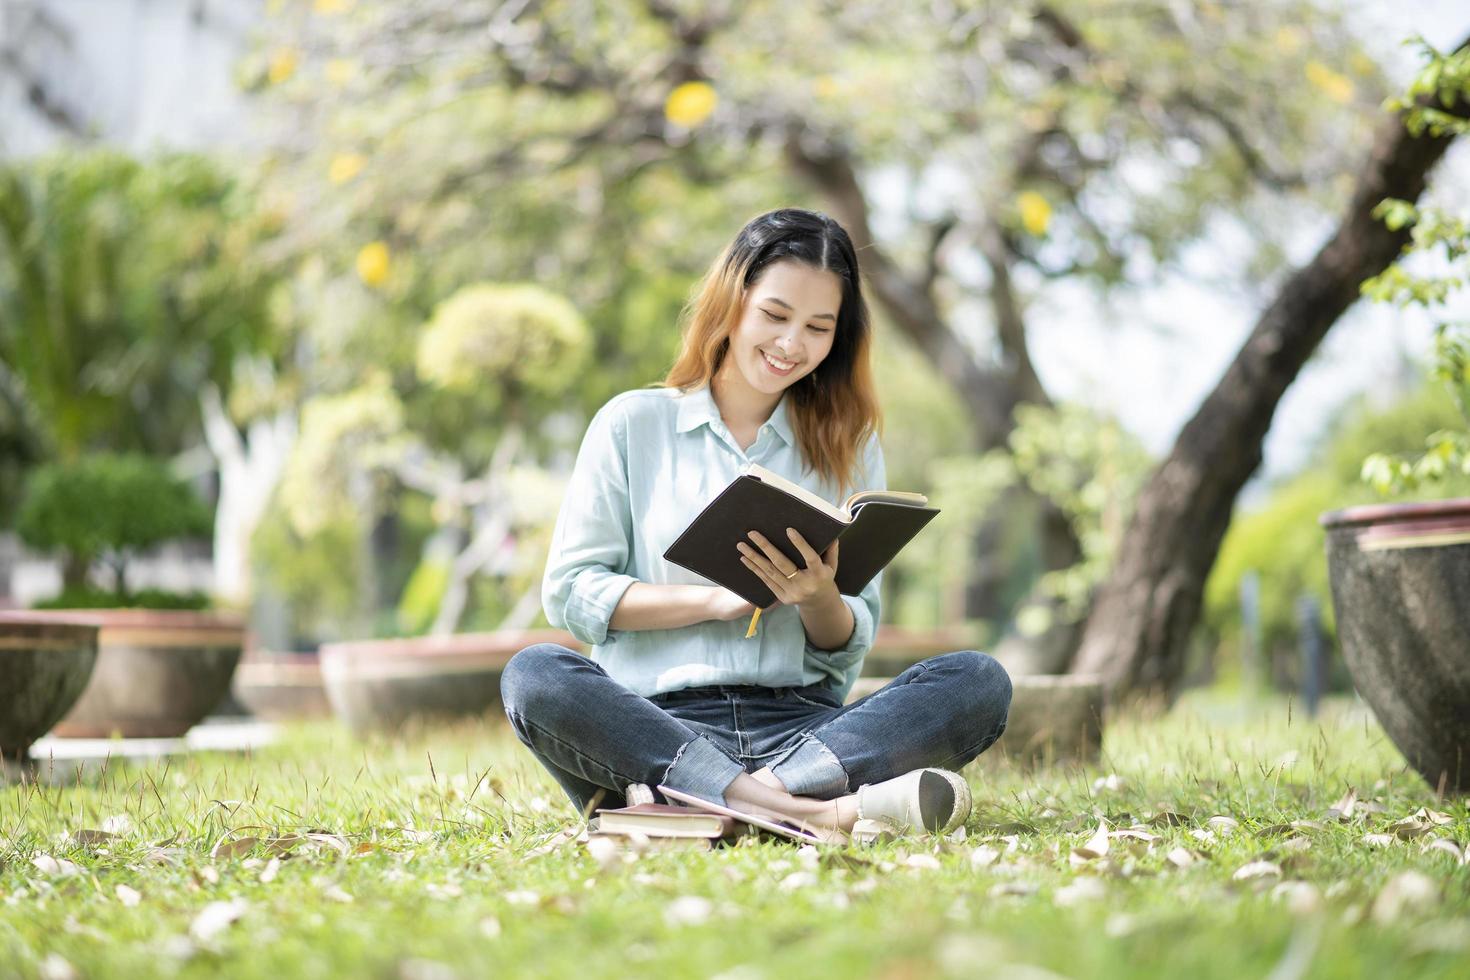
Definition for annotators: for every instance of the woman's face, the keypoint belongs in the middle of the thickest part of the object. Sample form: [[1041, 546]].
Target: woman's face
[[786, 326]]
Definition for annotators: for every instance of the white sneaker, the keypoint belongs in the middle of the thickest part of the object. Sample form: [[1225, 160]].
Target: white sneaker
[[936, 800]]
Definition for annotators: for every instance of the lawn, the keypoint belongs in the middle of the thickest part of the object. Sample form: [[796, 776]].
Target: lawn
[[1240, 841]]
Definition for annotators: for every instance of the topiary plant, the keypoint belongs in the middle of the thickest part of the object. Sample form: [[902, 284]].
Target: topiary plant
[[108, 508]]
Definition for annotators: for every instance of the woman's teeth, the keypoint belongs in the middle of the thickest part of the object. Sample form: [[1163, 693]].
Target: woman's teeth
[[780, 367]]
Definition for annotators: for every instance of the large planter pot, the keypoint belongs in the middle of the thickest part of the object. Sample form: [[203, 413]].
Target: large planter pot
[[1401, 589], [381, 684], [282, 687], [897, 648], [44, 666], [159, 671]]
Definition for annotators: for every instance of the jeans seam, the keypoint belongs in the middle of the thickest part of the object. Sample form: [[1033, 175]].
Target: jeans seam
[[578, 753]]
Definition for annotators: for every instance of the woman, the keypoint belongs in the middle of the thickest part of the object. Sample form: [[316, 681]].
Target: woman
[[774, 369]]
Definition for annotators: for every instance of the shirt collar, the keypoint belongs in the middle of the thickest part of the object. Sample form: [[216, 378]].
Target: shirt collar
[[697, 407]]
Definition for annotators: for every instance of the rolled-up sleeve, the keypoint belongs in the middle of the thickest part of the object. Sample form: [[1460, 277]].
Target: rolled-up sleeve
[[585, 570], [865, 605]]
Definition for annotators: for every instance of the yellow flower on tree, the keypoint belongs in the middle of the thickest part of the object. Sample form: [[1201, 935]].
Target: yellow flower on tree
[[374, 262], [281, 66], [690, 104], [345, 166], [1035, 212], [340, 71], [1336, 86], [332, 6]]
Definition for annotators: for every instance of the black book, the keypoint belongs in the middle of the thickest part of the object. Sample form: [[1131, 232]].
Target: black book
[[873, 526]]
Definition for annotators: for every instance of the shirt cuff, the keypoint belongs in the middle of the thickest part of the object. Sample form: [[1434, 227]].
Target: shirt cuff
[[593, 599], [858, 643]]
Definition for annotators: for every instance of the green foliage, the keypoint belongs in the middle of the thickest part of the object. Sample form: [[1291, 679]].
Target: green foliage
[[108, 507], [125, 287], [1438, 236], [316, 574], [90, 598]]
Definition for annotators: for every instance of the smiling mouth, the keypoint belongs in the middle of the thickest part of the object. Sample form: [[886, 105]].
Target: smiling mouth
[[779, 366]]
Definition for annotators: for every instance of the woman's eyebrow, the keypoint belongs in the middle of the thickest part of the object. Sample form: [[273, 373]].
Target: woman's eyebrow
[[782, 302]]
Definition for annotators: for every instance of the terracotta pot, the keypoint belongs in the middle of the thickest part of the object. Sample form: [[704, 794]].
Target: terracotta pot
[[282, 687], [381, 684], [897, 648], [44, 665], [1401, 589], [159, 671]]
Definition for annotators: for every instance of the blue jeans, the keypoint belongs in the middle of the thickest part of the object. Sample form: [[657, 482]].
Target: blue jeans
[[593, 734]]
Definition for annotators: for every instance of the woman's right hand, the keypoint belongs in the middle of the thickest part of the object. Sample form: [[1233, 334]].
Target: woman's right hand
[[725, 605]]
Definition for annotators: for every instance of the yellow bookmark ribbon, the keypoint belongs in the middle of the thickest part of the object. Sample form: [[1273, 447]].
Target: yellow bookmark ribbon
[[754, 618]]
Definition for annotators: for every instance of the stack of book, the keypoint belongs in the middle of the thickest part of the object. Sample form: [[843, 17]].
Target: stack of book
[[662, 824]]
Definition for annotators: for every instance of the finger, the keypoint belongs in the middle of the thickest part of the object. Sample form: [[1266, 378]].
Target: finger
[[778, 588], [778, 561], [809, 555]]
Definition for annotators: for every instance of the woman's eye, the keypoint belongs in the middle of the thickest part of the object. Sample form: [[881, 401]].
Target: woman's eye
[[818, 329], [774, 317]]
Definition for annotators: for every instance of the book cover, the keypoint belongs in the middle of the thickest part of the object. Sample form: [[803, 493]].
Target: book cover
[[876, 532], [664, 820]]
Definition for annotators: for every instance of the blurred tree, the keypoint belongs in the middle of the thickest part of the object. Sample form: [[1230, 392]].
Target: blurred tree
[[1137, 635], [977, 152], [125, 288]]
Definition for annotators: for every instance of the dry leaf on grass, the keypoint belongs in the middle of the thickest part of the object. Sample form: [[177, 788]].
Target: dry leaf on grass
[[1019, 889], [91, 839], [1085, 889], [1343, 808], [215, 918], [272, 868], [1449, 847], [54, 867], [1222, 824], [226, 847], [1096, 846], [1181, 858], [1257, 869], [924, 862], [336, 842], [1406, 892], [129, 897], [1295, 844], [1300, 897], [983, 856], [1379, 840]]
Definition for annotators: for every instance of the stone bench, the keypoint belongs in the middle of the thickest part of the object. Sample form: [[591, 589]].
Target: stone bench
[[1054, 718]]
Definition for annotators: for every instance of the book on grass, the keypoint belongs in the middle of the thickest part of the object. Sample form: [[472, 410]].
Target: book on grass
[[664, 820], [872, 527]]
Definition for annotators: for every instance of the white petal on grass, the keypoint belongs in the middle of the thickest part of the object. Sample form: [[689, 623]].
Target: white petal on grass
[[1300, 897], [1180, 857], [690, 910], [336, 894], [1257, 869], [130, 897], [924, 862], [272, 868], [523, 898], [53, 967], [54, 867], [215, 918]]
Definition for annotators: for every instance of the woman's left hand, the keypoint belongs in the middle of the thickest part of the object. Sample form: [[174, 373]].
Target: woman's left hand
[[792, 584]]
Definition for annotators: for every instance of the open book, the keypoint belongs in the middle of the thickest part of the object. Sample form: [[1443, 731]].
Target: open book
[[872, 525]]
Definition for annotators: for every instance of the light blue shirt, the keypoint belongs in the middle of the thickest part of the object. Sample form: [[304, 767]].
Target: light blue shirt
[[651, 460]]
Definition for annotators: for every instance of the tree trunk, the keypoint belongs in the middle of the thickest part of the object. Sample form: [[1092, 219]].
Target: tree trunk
[[1137, 633]]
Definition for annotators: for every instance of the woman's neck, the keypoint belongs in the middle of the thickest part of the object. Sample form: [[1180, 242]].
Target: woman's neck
[[741, 406]]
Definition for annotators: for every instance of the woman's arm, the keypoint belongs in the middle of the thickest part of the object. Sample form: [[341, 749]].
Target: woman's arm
[[645, 606]]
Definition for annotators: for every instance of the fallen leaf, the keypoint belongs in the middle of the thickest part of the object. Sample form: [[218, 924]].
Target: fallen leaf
[[984, 856], [1223, 824], [1133, 833], [216, 917], [1096, 846], [272, 868], [925, 862], [1112, 783], [1448, 846], [1300, 897], [1168, 818], [797, 879], [283, 844], [1343, 808], [54, 967], [1180, 858], [1256, 869], [604, 851], [1016, 888], [1307, 825], [1406, 892], [130, 897], [336, 894], [91, 838], [334, 841], [1379, 840], [226, 848], [1203, 836], [118, 824], [54, 867], [209, 874]]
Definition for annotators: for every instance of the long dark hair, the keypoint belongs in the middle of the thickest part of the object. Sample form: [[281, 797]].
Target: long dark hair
[[834, 409]]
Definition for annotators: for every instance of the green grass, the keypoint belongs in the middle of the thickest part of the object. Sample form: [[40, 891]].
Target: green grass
[[449, 873]]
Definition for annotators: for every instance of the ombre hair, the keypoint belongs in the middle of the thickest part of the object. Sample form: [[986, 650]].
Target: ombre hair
[[834, 409]]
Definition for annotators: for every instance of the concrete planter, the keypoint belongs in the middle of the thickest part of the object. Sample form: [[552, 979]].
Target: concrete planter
[[159, 671], [44, 666], [382, 684], [1401, 588], [897, 648], [282, 687]]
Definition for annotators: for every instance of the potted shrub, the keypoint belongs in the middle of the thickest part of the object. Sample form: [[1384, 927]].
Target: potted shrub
[[1400, 573], [163, 661]]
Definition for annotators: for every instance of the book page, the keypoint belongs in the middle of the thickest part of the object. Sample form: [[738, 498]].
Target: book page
[[889, 496], [799, 492]]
